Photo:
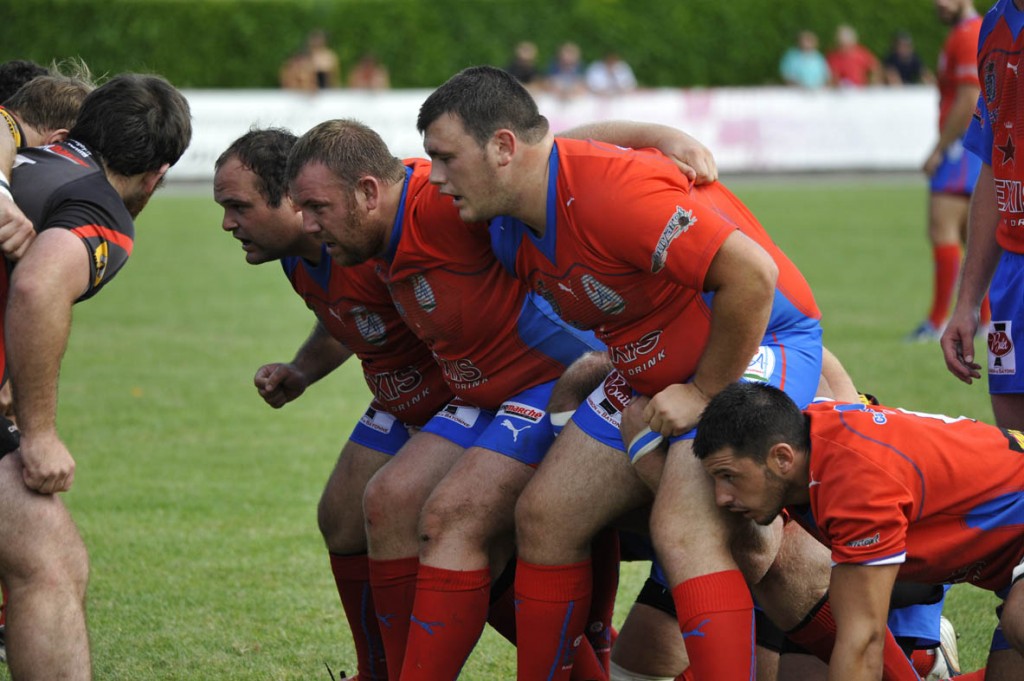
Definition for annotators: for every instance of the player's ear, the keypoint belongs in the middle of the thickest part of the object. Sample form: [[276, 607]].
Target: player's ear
[[55, 136], [152, 179], [368, 187], [504, 142], [781, 459]]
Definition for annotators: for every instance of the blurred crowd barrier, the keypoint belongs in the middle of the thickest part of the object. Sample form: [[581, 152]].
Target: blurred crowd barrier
[[750, 130]]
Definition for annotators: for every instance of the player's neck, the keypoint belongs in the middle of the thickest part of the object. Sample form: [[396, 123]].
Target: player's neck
[[1019, 4], [533, 191]]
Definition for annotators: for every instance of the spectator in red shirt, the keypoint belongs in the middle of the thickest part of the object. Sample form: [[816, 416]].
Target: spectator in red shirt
[[852, 64]]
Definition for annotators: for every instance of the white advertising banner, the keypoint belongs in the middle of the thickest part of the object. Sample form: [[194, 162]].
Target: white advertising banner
[[769, 129]]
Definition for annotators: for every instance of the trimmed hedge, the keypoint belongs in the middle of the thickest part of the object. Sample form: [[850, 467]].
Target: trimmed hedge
[[241, 43]]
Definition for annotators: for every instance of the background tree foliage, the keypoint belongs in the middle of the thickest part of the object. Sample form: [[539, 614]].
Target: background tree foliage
[[241, 43]]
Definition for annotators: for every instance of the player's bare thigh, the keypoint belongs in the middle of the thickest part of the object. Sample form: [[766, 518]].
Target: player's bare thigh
[[36, 530], [581, 486], [947, 218], [396, 494], [340, 512], [1008, 410], [471, 508]]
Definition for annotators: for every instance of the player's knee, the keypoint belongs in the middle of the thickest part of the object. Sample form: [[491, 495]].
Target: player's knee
[[385, 502], [340, 520]]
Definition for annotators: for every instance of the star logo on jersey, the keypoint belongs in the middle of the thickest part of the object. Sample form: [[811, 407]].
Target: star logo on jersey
[[678, 224], [1008, 150]]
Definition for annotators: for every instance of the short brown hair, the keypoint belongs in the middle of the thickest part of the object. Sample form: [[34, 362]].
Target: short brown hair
[[349, 149]]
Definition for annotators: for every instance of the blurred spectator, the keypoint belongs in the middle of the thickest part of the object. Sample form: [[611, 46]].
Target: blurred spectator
[[565, 75], [369, 74], [315, 67], [803, 64], [324, 60], [610, 76], [17, 72], [524, 64], [296, 73], [852, 64], [902, 65]]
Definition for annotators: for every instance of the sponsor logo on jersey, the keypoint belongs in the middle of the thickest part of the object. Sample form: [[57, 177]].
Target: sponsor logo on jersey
[[371, 325], [424, 294], [637, 351], [679, 222], [390, 386], [521, 410], [461, 413], [544, 292], [990, 81], [867, 541], [1002, 358], [761, 366], [1010, 200], [380, 421], [461, 374], [604, 298], [100, 257]]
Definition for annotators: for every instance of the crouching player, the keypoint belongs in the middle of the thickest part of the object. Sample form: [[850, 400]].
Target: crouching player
[[891, 493]]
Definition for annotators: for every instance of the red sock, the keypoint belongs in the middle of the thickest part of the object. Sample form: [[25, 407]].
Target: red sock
[[394, 590], [447, 620], [817, 633], [553, 604], [716, 616], [604, 555], [947, 268], [352, 577], [923, 660]]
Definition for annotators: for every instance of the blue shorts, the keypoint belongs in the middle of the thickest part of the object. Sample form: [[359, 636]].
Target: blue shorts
[[380, 431], [791, 361], [1006, 332], [918, 622], [957, 173], [519, 429], [459, 422]]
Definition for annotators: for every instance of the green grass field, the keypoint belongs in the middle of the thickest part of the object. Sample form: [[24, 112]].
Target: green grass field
[[198, 502]]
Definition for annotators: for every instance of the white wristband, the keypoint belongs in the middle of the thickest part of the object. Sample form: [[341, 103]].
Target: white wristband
[[5, 186]]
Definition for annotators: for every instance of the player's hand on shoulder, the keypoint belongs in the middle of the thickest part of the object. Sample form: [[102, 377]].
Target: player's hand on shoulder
[[47, 465], [16, 230], [675, 410], [693, 158], [279, 383], [957, 343]]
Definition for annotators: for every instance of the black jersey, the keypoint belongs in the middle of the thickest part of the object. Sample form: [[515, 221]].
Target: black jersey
[[63, 186]]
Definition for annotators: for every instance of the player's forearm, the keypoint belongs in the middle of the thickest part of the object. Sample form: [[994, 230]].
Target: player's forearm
[[959, 116], [983, 252], [320, 354], [37, 329], [743, 278]]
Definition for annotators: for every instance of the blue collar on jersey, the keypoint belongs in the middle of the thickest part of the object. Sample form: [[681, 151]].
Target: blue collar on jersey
[[546, 244], [396, 229], [321, 272], [1014, 18]]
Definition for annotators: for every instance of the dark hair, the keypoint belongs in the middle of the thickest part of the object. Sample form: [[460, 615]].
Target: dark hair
[[486, 99], [349, 149], [750, 418], [17, 72], [265, 153], [50, 103], [135, 123]]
